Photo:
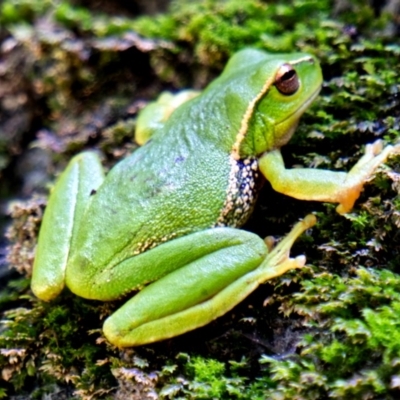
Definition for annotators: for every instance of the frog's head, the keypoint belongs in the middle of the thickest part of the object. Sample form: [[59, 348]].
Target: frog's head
[[282, 86]]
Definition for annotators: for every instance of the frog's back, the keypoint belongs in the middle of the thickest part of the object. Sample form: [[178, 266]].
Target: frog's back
[[160, 192]]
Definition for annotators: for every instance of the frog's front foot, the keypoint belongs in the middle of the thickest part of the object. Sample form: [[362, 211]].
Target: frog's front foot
[[375, 155]]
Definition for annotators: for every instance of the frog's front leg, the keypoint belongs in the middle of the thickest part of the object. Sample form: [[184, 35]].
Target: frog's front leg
[[230, 264], [67, 204], [322, 185]]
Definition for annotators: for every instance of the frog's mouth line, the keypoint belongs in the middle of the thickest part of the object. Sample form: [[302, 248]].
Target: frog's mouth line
[[297, 113], [283, 133]]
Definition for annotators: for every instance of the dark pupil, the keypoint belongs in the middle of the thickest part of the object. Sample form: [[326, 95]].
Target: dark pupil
[[288, 75]]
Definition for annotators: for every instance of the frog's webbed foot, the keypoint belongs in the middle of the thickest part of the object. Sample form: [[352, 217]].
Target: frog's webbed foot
[[375, 155], [278, 260]]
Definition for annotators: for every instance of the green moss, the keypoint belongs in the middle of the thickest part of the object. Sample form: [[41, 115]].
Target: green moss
[[17, 11], [352, 344], [45, 340], [216, 29]]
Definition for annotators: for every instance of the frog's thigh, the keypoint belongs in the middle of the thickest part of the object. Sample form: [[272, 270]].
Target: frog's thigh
[[223, 245], [238, 252], [202, 290], [322, 185]]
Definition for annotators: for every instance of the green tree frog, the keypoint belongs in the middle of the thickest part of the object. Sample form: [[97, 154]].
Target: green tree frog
[[164, 220]]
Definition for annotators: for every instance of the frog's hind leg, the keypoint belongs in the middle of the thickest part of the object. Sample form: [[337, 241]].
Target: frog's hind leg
[[203, 289], [66, 206]]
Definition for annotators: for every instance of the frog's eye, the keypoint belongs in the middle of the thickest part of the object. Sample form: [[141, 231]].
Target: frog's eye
[[286, 79]]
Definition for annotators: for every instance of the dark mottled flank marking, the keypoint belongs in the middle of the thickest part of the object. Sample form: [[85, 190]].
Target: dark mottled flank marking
[[244, 184]]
